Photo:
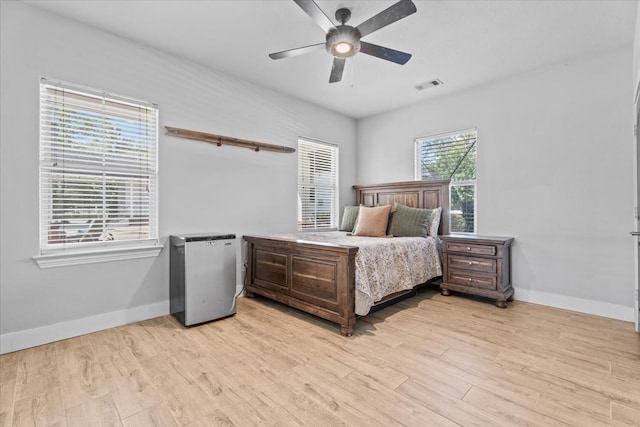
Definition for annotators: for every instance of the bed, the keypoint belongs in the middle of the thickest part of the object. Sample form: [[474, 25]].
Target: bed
[[316, 272]]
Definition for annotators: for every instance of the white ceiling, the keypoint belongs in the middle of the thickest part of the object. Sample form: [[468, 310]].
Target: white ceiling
[[462, 43]]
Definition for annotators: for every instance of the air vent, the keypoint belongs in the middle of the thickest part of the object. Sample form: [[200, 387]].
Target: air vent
[[428, 84]]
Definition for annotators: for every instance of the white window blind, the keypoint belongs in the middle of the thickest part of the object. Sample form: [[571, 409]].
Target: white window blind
[[452, 156], [98, 169], [317, 185]]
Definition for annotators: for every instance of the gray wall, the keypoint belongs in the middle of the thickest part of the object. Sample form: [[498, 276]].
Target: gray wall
[[555, 170], [202, 187], [636, 52]]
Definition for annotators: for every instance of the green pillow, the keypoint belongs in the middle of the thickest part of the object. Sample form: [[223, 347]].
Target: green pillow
[[349, 218], [412, 222]]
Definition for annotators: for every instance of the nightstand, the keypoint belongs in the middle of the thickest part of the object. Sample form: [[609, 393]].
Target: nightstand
[[477, 265]]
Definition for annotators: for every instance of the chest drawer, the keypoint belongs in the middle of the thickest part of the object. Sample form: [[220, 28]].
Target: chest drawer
[[470, 248], [485, 265]]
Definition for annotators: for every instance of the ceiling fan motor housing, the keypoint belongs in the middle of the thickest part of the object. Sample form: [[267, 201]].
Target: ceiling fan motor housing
[[343, 36]]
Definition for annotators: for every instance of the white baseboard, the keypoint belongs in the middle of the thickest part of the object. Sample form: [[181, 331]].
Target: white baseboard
[[15, 341], [597, 308]]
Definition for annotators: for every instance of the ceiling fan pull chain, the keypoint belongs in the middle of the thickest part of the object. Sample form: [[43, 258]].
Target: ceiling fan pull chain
[[352, 66]]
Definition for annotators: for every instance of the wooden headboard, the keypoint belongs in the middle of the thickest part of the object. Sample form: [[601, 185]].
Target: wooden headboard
[[415, 194]]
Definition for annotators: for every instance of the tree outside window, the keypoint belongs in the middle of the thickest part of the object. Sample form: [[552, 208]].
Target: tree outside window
[[452, 156]]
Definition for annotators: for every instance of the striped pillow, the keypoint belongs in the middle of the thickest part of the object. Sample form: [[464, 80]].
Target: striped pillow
[[349, 218], [414, 222]]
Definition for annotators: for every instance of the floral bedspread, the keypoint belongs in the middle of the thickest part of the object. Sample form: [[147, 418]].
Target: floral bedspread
[[384, 265]]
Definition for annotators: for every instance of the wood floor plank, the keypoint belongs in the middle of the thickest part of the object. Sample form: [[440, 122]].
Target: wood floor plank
[[456, 410], [391, 404], [569, 411], [45, 408], [483, 372], [424, 361], [129, 386], [71, 358], [627, 355], [323, 391], [169, 333], [158, 415], [107, 342], [554, 386], [626, 370], [37, 372], [9, 366], [82, 378], [139, 341], [508, 410], [429, 370], [99, 412], [7, 399], [218, 417], [179, 391], [625, 390], [413, 334], [624, 414], [225, 388]]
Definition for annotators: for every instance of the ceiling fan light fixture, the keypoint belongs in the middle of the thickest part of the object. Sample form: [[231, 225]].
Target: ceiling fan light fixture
[[343, 41], [343, 47]]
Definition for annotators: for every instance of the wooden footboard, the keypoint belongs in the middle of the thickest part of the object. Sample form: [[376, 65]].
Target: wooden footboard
[[313, 277]]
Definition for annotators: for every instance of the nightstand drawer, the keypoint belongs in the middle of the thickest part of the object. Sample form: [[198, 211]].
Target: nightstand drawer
[[470, 248], [471, 279], [486, 265]]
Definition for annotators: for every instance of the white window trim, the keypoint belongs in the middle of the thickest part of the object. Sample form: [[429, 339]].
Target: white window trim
[[93, 254], [70, 257]]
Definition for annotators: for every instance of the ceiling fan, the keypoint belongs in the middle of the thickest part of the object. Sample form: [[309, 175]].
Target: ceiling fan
[[343, 41]]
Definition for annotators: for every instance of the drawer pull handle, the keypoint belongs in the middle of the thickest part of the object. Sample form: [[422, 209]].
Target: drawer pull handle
[[468, 248], [470, 262], [469, 279]]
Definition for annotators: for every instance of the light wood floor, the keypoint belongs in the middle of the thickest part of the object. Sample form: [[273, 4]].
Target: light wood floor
[[423, 362]]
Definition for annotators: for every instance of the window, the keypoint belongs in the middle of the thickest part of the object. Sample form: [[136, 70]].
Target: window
[[98, 171], [452, 156], [317, 185]]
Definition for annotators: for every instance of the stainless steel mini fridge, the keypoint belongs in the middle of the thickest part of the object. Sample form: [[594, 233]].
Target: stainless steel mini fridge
[[202, 277]]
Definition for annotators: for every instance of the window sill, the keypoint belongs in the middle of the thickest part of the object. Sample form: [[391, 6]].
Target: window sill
[[68, 258]]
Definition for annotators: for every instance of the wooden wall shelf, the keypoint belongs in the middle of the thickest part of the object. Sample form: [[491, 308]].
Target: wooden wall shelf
[[220, 140]]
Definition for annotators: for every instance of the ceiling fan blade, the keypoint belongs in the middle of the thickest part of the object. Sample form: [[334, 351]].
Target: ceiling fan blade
[[336, 70], [388, 16], [384, 53], [313, 10], [295, 52]]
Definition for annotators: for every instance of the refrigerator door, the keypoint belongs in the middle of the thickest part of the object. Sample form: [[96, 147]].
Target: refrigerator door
[[210, 280]]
